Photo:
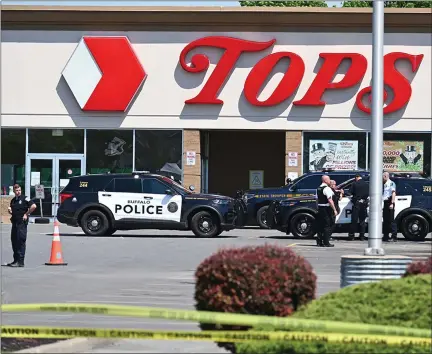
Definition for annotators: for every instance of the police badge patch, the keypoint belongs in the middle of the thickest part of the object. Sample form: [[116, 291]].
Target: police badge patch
[[172, 207]]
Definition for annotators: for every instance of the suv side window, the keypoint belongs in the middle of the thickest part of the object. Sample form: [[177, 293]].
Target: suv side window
[[154, 186], [128, 185], [341, 178], [309, 182]]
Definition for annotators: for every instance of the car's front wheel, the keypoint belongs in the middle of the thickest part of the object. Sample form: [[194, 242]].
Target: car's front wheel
[[262, 217], [414, 227], [303, 225], [205, 224], [95, 223]]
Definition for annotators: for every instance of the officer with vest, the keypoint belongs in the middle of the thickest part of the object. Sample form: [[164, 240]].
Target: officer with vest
[[389, 196], [359, 199], [20, 208], [326, 212]]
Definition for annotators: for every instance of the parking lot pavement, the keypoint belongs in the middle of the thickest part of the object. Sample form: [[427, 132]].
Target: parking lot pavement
[[145, 268]]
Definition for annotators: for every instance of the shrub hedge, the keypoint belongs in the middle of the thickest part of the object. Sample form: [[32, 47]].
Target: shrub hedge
[[419, 267], [264, 280], [402, 302]]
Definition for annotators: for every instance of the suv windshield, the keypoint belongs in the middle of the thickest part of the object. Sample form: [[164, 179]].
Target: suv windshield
[[176, 185]]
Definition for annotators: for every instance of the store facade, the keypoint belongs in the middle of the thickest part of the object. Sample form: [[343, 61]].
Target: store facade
[[243, 103]]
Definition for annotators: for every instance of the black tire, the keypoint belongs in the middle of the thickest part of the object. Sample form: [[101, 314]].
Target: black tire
[[94, 223], [41, 221], [302, 225], [415, 227], [261, 217], [110, 231], [205, 224]]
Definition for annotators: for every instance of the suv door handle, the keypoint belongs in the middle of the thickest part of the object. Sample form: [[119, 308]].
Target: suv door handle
[[106, 195], [148, 197]]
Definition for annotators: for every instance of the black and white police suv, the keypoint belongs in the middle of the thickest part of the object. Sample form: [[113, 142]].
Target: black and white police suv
[[413, 210], [103, 203], [258, 200]]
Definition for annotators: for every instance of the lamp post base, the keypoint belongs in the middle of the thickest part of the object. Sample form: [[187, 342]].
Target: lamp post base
[[374, 251]]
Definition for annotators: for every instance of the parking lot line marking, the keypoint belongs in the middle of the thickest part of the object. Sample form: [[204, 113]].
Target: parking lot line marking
[[292, 245]]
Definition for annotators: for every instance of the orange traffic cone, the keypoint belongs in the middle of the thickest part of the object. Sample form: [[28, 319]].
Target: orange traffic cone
[[56, 249]]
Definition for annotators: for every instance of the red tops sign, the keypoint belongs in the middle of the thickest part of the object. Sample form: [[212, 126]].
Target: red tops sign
[[234, 48]]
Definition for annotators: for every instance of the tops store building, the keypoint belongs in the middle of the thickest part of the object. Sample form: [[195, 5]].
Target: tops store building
[[220, 98]]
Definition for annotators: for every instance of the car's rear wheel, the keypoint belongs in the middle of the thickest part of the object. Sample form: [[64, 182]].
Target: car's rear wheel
[[262, 218], [414, 227], [95, 223], [205, 224], [303, 225]]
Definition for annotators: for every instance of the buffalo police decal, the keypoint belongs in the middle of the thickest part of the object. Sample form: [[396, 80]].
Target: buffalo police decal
[[172, 207]]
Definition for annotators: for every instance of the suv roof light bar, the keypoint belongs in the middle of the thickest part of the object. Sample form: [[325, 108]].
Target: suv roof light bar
[[139, 172]]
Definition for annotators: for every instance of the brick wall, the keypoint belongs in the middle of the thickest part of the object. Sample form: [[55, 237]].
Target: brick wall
[[5, 202], [192, 174], [293, 144]]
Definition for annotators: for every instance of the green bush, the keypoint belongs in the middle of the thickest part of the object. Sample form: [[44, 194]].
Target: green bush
[[404, 302]]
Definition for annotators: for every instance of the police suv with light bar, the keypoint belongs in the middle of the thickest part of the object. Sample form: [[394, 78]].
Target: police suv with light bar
[[258, 200], [103, 203], [413, 209]]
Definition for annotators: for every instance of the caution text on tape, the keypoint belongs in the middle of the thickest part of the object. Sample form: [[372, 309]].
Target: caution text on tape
[[222, 318], [216, 336]]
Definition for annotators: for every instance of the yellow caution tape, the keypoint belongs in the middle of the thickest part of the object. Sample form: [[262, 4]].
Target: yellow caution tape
[[216, 336], [223, 318]]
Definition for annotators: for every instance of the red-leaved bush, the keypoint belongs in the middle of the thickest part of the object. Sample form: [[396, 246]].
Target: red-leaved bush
[[419, 267], [263, 280]]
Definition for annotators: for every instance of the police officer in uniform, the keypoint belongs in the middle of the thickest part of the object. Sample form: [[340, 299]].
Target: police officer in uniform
[[360, 194], [337, 196], [20, 208], [389, 196], [326, 212]]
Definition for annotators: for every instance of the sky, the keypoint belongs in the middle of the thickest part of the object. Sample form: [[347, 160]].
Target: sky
[[132, 2]]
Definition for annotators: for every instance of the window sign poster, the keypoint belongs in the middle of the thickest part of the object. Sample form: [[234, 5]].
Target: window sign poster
[[403, 156], [334, 154]]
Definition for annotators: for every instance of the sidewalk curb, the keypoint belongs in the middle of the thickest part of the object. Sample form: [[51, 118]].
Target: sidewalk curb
[[74, 345]]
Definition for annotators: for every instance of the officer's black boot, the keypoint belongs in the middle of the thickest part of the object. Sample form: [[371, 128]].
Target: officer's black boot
[[319, 240], [350, 238], [362, 238], [386, 238], [15, 265]]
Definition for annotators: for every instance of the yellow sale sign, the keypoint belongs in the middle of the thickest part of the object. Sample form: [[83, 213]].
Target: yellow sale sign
[[403, 156]]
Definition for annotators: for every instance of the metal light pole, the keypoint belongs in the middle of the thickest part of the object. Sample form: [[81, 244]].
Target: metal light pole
[[376, 167]]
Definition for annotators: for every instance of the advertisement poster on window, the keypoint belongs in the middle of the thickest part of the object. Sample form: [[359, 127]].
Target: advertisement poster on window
[[333, 154], [403, 156]]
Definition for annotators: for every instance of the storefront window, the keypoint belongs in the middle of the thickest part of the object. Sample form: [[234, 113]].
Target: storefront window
[[13, 145], [56, 141], [159, 151], [407, 152], [337, 151], [109, 151]]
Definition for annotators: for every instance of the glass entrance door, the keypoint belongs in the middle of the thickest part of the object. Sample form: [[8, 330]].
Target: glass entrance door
[[53, 172]]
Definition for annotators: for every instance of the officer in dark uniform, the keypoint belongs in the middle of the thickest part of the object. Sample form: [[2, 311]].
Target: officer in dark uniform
[[20, 208], [326, 212], [359, 198]]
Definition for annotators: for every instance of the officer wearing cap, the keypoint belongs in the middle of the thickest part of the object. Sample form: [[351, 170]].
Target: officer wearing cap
[[20, 208], [360, 200], [389, 196]]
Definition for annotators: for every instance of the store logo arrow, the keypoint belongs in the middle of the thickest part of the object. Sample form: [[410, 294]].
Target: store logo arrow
[[104, 73]]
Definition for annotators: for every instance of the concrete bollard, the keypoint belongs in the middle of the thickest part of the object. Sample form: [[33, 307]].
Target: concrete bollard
[[357, 269]]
